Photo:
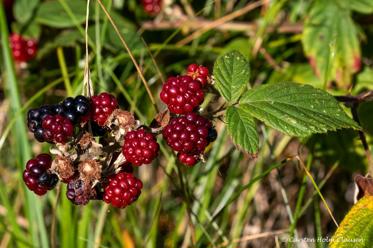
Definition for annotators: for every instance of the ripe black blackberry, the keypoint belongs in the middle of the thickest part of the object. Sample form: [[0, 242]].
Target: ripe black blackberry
[[36, 175], [188, 134], [182, 94], [140, 147], [76, 109], [122, 189]]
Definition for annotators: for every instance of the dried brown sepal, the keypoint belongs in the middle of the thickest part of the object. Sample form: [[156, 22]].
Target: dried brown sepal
[[85, 141], [63, 167], [122, 119], [89, 171], [80, 192], [364, 185]]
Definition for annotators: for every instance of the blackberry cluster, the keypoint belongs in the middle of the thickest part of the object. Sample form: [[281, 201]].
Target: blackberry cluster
[[37, 176], [182, 94], [152, 7], [55, 123], [96, 146], [140, 147], [23, 49], [188, 135], [122, 189]]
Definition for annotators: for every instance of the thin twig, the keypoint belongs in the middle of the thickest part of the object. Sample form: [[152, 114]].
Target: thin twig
[[220, 21], [317, 189], [353, 103], [87, 88], [124, 43]]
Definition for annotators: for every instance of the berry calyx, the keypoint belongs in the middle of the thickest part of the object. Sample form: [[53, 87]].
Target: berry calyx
[[140, 147], [102, 107], [188, 159], [188, 134], [23, 49], [122, 190], [182, 94], [57, 129], [152, 7], [199, 73], [36, 175]]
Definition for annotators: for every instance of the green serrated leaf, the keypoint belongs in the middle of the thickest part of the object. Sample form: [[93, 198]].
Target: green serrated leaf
[[53, 13], [231, 73], [296, 109], [23, 9], [242, 128], [356, 229], [330, 41]]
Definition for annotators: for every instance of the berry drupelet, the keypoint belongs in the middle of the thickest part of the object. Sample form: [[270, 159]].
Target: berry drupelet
[[57, 129], [182, 94], [122, 189], [152, 7], [23, 49], [188, 134], [140, 147], [188, 159], [102, 107], [199, 73], [36, 175]]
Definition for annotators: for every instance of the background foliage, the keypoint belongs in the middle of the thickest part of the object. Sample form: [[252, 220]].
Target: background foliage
[[234, 199]]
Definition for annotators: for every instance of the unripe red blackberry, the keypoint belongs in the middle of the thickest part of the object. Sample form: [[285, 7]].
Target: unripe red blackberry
[[188, 134], [23, 49], [36, 175], [188, 159], [182, 94], [198, 72], [102, 107], [152, 7], [140, 147], [122, 189], [57, 129]]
